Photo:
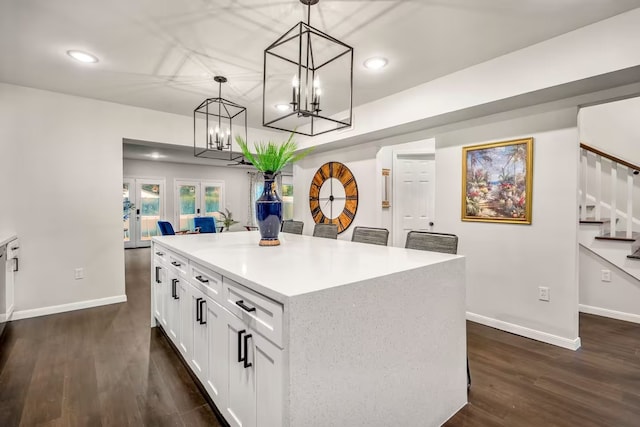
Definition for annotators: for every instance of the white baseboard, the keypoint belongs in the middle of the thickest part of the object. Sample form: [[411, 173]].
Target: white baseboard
[[525, 332], [627, 317], [7, 316], [43, 311]]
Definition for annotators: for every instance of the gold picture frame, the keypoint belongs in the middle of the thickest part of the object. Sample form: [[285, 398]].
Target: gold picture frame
[[497, 182]]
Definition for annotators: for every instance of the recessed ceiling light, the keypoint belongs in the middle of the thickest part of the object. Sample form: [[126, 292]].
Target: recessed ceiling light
[[282, 107], [82, 56], [375, 63]]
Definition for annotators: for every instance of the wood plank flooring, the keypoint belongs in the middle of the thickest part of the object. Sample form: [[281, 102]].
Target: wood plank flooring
[[98, 367], [106, 367]]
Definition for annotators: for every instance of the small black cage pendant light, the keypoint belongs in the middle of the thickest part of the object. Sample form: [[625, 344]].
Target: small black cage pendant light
[[216, 123], [307, 81]]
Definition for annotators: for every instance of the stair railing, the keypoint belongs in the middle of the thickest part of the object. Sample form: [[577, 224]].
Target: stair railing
[[617, 165]]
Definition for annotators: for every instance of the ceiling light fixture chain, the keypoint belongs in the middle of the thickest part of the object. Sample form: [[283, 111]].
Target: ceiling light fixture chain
[[306, 52], [229, 119]]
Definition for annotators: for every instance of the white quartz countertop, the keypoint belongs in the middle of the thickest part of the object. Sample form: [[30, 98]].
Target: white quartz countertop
[[301, 264], [6, 238]]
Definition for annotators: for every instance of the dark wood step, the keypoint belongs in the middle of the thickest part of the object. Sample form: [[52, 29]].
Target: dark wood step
[[619, 236], [595, 221]]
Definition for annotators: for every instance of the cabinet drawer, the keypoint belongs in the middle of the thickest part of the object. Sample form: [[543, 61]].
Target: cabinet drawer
[[178, 263], [263, 314], [160, 254], [207, 280]]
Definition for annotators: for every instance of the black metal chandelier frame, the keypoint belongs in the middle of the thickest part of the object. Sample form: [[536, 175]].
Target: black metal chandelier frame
[[214, 110], [306, 107]]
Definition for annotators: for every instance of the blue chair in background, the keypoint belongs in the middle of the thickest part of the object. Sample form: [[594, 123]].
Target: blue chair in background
[[205, 224], [166, 229]]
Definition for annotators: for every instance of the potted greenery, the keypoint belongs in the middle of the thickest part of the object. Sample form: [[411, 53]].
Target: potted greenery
[[269, 158], [227, 219]]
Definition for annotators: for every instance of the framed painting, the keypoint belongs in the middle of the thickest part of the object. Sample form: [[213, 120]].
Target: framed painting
[[497, 181]]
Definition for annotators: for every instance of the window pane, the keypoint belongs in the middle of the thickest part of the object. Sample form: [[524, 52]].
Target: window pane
[[287, 201], [126, 210], [211, 199], [187, 203], [149, 210]]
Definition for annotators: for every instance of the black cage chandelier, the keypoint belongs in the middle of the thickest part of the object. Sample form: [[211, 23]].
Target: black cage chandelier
[[307, 81], [216, 123]]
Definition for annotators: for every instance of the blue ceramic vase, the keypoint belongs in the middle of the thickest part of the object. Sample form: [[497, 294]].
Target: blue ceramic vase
[[269, 211]]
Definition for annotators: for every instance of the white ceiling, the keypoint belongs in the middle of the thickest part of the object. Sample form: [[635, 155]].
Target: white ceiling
[[161, 54]]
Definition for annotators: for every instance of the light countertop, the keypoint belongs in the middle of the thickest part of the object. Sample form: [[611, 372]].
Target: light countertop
[[301, 264]]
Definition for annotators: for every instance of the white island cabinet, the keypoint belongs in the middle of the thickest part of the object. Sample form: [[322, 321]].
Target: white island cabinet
[[315, 332]]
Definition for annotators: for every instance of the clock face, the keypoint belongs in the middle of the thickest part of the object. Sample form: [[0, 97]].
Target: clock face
[[333, 196]]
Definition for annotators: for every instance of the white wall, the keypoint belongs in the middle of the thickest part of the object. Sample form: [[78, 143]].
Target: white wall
[[236, 183], [535, 74], [506, 263], [65, 166], [613, 127], [619, 298], [64, 156], [7, 156]]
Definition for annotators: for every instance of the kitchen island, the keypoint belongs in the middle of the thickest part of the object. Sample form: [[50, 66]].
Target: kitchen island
[[315, 332]]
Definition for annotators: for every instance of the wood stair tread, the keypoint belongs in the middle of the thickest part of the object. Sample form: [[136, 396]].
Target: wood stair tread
[[595, 221], [620, 236]]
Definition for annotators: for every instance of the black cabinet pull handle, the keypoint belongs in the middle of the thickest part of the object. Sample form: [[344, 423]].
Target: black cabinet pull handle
[[176, 263], [201, 280], [431, 223], [16, 267], [159, 254], [203, 321], [247, 364], [245, 307], [173, 288], [198, 314], [240, 357], [158, 274]]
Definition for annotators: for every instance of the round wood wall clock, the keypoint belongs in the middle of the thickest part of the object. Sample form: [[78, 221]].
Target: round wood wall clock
[[333, 196]]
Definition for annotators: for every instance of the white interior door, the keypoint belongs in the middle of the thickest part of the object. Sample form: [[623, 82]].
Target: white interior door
[[141, 222], [413, 195]]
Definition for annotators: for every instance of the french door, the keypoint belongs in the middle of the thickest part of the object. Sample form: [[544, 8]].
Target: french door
[[143, 206], [197, 198]]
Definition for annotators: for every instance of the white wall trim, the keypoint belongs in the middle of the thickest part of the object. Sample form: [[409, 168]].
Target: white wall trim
[[43, 311], [613, 314], [571, 344]]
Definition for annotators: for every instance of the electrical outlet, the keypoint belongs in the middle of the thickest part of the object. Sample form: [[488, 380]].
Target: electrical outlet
[[606, 275], [79, 273], [543, 293]]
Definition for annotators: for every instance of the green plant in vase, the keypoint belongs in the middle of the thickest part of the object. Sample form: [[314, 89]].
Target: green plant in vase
[[270, 158], [227, 219]]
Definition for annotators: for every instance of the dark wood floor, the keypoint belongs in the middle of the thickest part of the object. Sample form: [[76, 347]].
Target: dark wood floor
[[106, 367], [98, 367]]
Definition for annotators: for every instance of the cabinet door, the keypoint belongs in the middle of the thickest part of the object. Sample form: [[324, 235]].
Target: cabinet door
[[187, 318], [216, 378], [199, 357], [159, 287], [241, 405], [267, 364], [173, 309]]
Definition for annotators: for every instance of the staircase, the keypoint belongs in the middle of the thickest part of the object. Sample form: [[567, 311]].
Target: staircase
[[609, 196]]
